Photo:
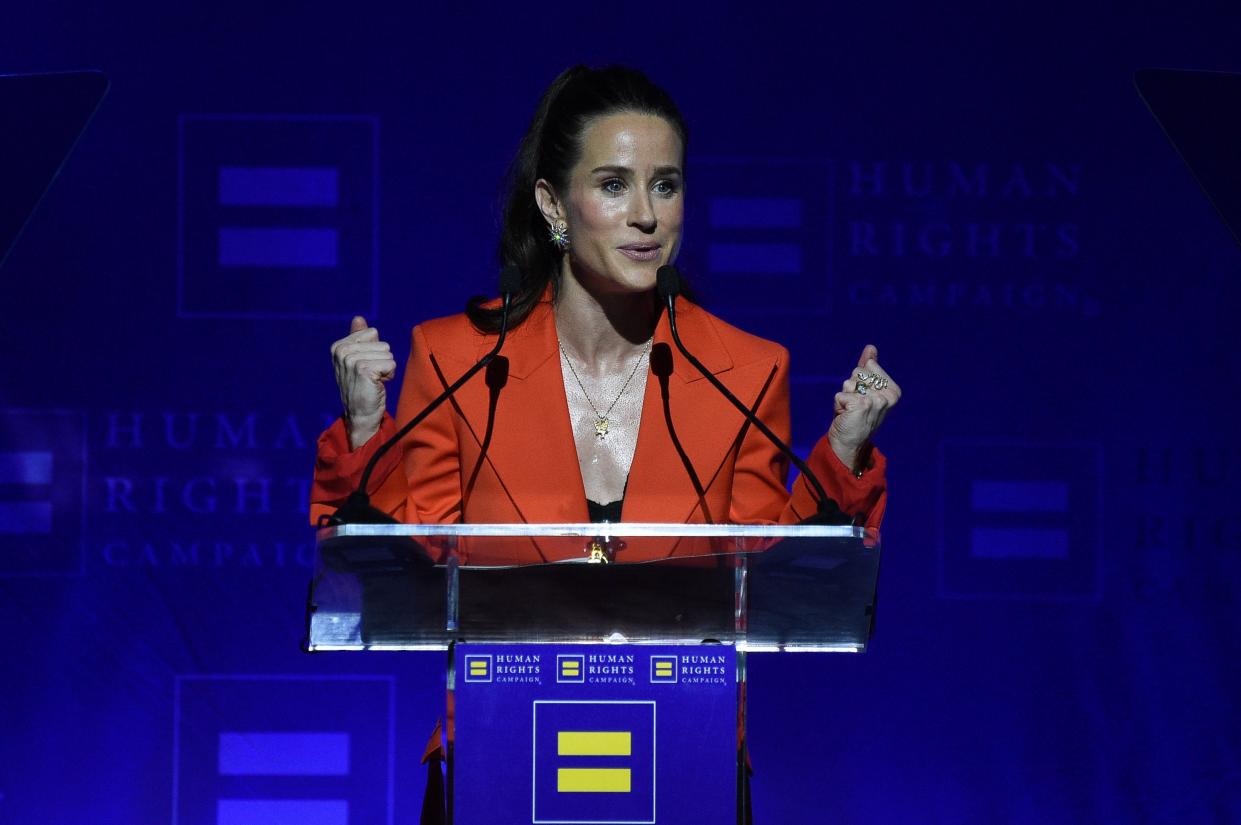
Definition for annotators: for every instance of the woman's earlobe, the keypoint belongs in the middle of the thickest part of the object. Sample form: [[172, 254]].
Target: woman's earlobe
[[559, 232]]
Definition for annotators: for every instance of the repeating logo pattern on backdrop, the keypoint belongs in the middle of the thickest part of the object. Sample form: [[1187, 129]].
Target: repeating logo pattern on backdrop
[[945, 235], [763, 221], [1020, 520], [261, 749], [278, 216], [955, 235], [173, 490]]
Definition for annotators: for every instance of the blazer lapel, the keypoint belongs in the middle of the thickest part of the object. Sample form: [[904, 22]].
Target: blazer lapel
[[688, 427], [531, 448]]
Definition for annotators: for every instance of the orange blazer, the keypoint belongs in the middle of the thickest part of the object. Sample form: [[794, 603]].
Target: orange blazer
[[502, 451]]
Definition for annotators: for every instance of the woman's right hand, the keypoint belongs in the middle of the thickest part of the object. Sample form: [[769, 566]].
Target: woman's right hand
[[363, 363]]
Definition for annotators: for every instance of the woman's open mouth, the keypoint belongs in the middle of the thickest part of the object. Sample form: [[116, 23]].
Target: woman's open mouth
[[640, 251]]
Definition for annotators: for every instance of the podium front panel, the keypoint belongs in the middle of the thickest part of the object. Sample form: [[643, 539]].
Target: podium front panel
[[594, 734]]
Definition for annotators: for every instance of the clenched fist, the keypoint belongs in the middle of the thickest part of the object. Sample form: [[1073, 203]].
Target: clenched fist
[[363, 363], [861, 406]]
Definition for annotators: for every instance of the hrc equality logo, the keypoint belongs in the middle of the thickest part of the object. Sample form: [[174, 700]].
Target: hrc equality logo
[[272, 203], [42, 492], [594, 761], [570, 668], [1021, 519], [478, 668], [663, 670], [247, 749]]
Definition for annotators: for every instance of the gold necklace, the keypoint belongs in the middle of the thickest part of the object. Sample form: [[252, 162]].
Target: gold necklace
[[601, 418]]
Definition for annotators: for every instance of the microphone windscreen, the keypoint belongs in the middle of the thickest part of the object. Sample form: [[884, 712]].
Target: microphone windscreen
[[668, 281], [510, 279]]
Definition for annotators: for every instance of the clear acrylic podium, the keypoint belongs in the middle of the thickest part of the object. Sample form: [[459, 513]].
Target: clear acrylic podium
[[758, 588], [605, 682]]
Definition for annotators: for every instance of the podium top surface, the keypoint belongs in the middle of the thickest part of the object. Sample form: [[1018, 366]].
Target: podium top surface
[[599, 528], [522, 545]]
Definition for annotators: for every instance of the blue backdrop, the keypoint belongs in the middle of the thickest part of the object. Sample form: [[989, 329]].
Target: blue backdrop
[[978, 190]]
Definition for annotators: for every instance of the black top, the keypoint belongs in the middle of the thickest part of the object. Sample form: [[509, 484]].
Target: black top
[[605, 512]]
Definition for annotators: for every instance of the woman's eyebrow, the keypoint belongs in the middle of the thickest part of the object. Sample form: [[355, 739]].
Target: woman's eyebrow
[[625, 170]]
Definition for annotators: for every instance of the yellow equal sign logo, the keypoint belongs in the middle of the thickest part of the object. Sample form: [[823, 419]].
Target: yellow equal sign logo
[[594, 743], [570, 669], [664, 669], [478, 668], [593, 760]]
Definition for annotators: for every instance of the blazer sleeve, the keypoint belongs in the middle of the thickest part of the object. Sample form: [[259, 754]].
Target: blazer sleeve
[[431, 454], [760, 495], [428, 454], [338, 468]]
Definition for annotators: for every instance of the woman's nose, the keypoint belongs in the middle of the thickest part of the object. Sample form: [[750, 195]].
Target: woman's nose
[[642, 212]]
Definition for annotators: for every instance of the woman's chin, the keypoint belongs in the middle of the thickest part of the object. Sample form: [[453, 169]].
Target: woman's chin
[[639, 283], [639, 277], [631, 279]]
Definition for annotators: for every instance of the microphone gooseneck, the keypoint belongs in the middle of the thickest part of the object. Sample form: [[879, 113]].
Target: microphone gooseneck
[[357, 508], [668, 285]]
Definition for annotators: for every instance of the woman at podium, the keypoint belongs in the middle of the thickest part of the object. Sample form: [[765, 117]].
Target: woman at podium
[[593, 413]]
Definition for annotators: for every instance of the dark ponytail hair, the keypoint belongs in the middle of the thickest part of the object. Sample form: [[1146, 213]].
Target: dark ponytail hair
[[549, 150]]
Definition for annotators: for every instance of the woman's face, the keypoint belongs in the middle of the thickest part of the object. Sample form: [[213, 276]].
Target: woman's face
[[624, 202]]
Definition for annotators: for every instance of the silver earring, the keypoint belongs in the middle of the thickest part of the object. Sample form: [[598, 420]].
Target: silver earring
[[559, 232]]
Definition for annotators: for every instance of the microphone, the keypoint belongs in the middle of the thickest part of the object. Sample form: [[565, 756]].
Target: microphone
[[668, 284], [357, 508]]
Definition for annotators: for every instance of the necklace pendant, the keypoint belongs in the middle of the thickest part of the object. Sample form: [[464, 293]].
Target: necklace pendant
[[599, 553], [601, 428]]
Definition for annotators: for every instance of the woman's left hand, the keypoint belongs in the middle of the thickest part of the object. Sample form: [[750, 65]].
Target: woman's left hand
[[860, 410]]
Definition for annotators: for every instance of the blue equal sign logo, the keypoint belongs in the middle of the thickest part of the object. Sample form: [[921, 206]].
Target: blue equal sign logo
[[31, 471], [283, 754], [1026, 541], [245, 756], [42, 476], [279, 216], [775, 217], [279, 246], [764, 218], [1020, 520], [594, 761]]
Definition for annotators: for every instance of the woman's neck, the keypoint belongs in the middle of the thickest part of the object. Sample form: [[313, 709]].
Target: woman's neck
[[603, 329]]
